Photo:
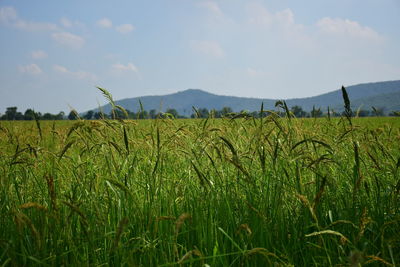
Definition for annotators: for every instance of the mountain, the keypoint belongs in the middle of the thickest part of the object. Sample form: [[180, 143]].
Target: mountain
[[380, 95]]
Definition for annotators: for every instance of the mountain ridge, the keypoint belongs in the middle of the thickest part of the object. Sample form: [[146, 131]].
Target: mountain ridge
[[385, 94]]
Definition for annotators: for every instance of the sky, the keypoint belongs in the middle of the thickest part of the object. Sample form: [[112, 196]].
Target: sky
[[53, 54]]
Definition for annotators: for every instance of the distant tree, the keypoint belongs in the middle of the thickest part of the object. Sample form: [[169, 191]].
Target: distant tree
[[19, 116], [378, 112], [363, 113], [334, 113], [72, 115], [97, 115], [225, 111], [88, 115], [38, 115], [203, 112], [298, 112], [131, 114], [153, 114], [316, 113], [48, 116], [142, 115], [59, 116], [173, 112], [11, 113], [119, 114], [213, 113], [29, 114], [395, 113]]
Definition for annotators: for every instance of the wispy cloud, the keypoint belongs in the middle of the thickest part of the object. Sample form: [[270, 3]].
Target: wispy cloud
[[34, 26], [121, 68], [66, 22], [9, 16], [347, 28], [210, 48], [214, 13], [68, 39], [125, 28], [38, 54], [61, 69], [30, 69], [104, 23], [211, 7], [261, 16], [80, 75], [107, 24], [279, 24]]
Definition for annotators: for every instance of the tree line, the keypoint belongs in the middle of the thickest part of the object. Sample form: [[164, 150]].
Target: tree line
[[12, 113]]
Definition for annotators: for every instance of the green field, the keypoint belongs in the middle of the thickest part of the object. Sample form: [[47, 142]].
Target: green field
[[211, 192]]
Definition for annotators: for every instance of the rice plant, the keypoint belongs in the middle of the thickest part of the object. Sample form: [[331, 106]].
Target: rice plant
[[202, 192]]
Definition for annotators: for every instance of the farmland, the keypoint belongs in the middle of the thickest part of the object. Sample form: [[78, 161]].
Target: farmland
[[222, 192]]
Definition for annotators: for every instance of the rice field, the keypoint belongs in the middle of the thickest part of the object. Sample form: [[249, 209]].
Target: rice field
[[201, 192]]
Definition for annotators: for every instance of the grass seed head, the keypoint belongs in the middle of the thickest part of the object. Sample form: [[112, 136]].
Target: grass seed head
[[181, 219]]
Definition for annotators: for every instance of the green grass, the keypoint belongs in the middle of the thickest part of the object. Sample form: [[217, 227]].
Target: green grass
[[272, 191]]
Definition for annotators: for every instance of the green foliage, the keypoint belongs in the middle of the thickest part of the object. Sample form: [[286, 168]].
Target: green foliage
[[88, 115], [73, 115], [221, 192], [298, 112], [347, 108]]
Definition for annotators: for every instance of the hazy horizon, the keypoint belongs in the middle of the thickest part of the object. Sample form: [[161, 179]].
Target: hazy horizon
[[55, 53]]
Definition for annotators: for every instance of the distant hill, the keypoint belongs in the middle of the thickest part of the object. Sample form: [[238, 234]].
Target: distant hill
[[380, 95]]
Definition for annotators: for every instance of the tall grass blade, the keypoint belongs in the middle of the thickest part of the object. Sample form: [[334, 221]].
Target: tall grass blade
[[347, 108], [126, 140], [35, 115]]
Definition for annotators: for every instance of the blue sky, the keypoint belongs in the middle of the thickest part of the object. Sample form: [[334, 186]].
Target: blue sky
[[54, 53]]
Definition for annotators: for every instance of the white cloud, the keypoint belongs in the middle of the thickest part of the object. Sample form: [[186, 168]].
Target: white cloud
[[259, 15], [60, 69], [125, 28], [212, 7], [215, 14], [130, 67], [280, 24], [348, 28], [38, 54], [104, 23], [7, 14], [80, 75], [285, 17], [30, 69], [66, 22], [211, 48], [68, 39], [34, 26]]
